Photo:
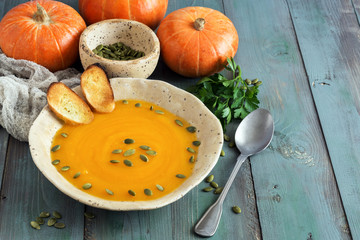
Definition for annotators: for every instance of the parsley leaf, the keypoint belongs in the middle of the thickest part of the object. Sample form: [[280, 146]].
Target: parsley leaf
[[228, 99]]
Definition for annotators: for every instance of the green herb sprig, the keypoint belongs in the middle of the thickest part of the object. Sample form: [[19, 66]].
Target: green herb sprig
[[228, 99]]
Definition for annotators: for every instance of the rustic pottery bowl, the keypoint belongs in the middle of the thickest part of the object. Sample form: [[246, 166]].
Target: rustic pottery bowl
[[175, 100], [134, 34]]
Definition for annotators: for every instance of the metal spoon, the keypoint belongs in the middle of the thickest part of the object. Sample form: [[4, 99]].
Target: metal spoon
[[253, 135]]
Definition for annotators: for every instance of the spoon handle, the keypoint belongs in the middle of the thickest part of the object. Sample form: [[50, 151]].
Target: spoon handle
[[209, 222]]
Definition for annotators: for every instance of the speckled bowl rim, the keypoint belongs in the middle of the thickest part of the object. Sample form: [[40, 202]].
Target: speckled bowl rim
[[153, 51], [209, 131]]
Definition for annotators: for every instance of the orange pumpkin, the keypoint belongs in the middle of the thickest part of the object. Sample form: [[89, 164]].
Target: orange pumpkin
[[195, 41], [149, 12], [46, 32]]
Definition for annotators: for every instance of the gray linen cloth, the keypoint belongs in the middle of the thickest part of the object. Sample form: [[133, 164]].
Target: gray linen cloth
[[23, 86]]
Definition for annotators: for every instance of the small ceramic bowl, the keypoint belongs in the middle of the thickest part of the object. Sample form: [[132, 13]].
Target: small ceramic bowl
[[134, 34], [173, 99]]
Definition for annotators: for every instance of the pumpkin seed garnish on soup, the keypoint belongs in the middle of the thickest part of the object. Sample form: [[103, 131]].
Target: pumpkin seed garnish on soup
[[129, 152], [128, 163], [65, 135], [129, 141], [64, 169], [159, 112], [189, 149], [109, 191], [178, 122], [151, 152], [55, 148], [159, 187], [132, 193], [144, 158], [87, 186], [55, 162], [116, 151], [76, 175], [114, 161], [180, 176], [148, 192], [191, 129], [144, 147]]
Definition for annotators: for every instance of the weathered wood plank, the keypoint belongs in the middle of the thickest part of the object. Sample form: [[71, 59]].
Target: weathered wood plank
[[26, 192], [328, 35], [4, 136], [177, 220], [296, 191]]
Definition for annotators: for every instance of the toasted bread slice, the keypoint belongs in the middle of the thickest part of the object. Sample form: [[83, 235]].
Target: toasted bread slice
[[67, 105], [97, 90]]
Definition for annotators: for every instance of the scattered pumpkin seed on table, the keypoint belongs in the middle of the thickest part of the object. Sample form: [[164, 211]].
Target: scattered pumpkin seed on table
[[208, 189], [209, 178], [51, 221], [44, 214], [226, 138], [40, 220], [89, 215], [59, 225], [236, 209], [214, 185], [56, 214], [35, 225], [218, 190], [222, 153]]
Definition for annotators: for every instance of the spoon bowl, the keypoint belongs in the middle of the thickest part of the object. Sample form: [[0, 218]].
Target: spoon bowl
[[253, 135], [255, 132]]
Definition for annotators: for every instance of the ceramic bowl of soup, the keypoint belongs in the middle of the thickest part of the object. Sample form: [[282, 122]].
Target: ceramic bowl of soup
[[158, 144]]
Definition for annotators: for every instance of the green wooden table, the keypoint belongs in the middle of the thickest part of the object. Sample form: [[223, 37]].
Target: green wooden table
[[304, 186]]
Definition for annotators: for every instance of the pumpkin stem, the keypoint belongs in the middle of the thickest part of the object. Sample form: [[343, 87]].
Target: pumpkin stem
[[41, 15], [199, 24]]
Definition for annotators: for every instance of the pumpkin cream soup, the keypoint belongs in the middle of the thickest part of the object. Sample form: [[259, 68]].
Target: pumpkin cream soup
[[138, 152]]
